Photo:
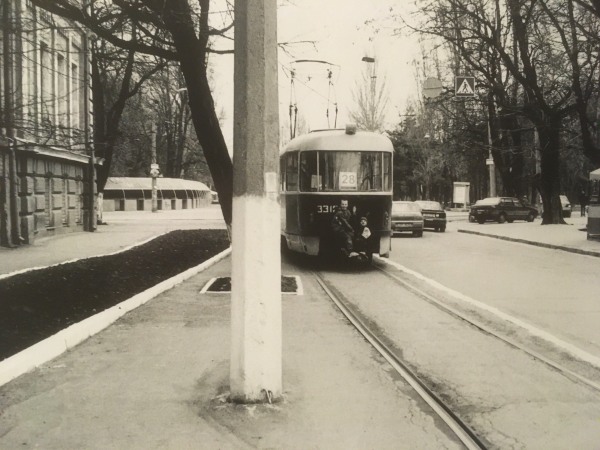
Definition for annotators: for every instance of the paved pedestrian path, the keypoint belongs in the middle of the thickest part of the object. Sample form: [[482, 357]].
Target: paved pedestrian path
[[571, 237], [123, 229], [157, 378]]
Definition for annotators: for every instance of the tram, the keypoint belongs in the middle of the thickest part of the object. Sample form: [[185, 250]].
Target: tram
[[324, 168]]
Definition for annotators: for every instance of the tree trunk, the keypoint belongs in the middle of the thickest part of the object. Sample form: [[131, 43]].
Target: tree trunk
[[204, 117], [549, 134], [506, 149]]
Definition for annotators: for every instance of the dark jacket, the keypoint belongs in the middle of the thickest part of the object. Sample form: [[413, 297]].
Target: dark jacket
[[341, 221]]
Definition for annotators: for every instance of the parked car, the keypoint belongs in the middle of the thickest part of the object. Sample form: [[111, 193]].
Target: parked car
[[407, 216], [434, 215], [565, 205], [502, 209]]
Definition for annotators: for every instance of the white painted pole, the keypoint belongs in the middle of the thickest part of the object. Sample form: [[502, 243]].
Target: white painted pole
[[255, 369]]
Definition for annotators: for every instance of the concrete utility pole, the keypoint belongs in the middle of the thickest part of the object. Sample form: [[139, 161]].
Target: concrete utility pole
[[255, 369], [12, 226], [154, 170]]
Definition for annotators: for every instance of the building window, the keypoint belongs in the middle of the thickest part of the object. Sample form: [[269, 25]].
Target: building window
[[46, 86], [78, 205], [49, 203], [63, 91], [75, 96], [65, 206]]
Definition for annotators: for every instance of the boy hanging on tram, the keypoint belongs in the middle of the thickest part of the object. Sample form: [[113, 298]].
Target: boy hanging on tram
[[350, 238], [362, 235], [343, 231]]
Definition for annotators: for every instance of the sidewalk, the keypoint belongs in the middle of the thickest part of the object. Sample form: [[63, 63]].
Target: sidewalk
[[158, 377], [571, 237]]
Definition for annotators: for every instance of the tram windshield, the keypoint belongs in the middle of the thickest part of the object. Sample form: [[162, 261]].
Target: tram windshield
[[345, 171]]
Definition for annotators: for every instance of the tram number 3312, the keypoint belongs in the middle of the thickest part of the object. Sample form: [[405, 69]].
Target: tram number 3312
[[324, 209]]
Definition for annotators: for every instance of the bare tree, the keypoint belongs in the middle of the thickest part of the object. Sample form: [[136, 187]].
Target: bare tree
[[117, 76], [173, 30], [526, 42]]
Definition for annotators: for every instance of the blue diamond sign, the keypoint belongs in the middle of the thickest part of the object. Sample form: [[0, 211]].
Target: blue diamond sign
[[464, 86]]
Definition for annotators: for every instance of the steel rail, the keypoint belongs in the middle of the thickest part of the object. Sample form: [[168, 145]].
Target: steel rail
[[486, 329], [460, 429]]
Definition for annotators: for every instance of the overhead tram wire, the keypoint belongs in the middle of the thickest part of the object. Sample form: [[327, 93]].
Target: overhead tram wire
[[331, 86], [293, 105], [293, 74]]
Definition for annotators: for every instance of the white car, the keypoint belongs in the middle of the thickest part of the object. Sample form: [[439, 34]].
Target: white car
[[566, 206], [407, 216]]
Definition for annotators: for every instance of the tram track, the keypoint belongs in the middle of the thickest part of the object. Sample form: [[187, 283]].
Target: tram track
[[480, 325], [390, 319], [461, 430]]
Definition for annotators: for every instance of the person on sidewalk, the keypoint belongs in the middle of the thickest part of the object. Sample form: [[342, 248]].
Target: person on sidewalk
[[583, 201], [342, 230]]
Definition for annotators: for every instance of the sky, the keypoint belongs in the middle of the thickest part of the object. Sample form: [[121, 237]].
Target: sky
[[343, 31]]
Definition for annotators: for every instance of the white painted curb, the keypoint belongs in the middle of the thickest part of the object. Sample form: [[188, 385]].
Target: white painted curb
[[30, 269], [55, 345]]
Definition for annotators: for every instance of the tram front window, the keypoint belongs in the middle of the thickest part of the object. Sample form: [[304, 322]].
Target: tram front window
[[354, 171], [333, 171]]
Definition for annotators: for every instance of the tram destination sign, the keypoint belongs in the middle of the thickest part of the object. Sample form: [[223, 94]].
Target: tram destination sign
[[464, 86]]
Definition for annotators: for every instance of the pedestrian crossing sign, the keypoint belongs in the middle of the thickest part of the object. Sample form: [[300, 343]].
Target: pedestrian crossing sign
[[464, 86]]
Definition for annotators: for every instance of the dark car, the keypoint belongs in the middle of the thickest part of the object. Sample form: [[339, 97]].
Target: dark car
[[502, 209], [434, 215], [407, 216]]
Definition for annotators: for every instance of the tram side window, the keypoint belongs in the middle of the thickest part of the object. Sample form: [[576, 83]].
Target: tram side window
[[387, 172], [309, 180], [291, 172]]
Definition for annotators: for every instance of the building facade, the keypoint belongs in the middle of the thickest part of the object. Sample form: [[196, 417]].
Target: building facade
[[46, 157]]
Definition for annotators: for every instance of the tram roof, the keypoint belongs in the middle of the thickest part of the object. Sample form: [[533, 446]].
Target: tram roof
[[338, 139]]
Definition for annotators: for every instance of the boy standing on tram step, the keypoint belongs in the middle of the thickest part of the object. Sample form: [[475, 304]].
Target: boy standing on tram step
[[362, 235], [342, 230]]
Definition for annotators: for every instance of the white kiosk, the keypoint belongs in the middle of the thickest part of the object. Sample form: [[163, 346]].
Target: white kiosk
[[461, 194]]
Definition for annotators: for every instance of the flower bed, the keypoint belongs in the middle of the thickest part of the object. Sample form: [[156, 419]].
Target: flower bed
[[37, 304]]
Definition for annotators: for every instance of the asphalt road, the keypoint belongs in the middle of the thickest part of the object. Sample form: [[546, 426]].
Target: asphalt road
[[550, 289]]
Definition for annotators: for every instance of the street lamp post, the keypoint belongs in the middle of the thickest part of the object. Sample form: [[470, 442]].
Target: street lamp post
[[490, 163], [154, 170], [371, 60]]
